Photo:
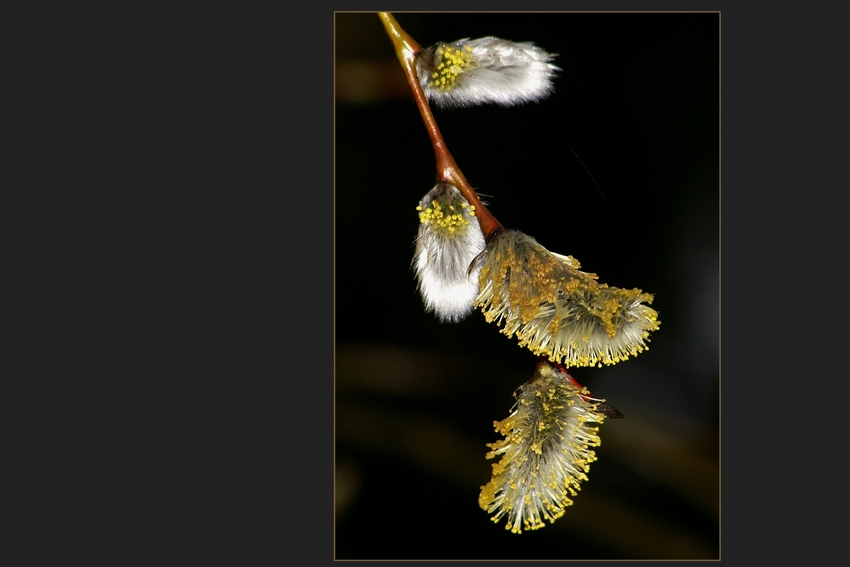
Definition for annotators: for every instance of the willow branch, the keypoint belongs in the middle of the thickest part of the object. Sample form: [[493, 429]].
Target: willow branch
[[407, 49]]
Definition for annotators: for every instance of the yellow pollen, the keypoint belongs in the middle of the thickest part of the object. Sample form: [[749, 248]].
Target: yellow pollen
[[445, 222], [450, 63]]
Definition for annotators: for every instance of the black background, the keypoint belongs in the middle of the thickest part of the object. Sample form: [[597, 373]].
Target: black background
[[619, 168]]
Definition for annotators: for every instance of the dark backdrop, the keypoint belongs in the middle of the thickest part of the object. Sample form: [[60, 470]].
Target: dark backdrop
[[619, 168]]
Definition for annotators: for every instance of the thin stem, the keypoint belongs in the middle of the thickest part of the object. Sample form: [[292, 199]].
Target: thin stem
[[407, 50]]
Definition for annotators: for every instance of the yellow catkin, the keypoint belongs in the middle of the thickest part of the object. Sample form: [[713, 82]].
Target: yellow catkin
[[556, 310], [545, 453]]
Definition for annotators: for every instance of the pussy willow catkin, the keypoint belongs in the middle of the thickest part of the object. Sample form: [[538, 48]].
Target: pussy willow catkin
[[556, 310], [449, 238]]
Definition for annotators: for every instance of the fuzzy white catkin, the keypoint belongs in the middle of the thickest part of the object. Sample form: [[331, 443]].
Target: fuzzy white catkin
[[448, 241], [486, 70]]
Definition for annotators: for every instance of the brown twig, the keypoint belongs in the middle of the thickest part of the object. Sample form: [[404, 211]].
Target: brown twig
[[407, 49]]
